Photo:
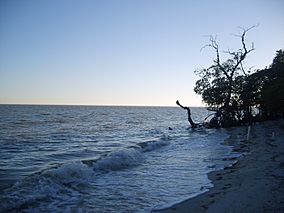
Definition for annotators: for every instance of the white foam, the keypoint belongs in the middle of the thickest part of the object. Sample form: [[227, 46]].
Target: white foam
[[41, 187], [153, 145], [64, 181], [119, 160], [28, 191], [130, 156], [73, 172]]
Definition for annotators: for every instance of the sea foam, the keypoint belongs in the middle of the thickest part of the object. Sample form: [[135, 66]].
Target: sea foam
[[128, 157], [72, 176]]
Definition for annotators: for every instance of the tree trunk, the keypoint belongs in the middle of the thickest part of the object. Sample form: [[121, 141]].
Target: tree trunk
[[228, 99]]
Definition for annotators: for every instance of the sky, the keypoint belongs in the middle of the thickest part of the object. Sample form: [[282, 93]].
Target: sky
[[124, 52]]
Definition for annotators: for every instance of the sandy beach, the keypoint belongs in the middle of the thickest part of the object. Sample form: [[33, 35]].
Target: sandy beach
[[255, 183]]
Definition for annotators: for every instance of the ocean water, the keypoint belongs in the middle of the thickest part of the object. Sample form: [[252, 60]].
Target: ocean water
[[103, 158]]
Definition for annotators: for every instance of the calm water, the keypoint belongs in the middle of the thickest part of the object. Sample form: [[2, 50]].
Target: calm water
[[103, 159]]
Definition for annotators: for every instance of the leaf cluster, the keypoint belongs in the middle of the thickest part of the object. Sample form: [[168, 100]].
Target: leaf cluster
[[228, 86]]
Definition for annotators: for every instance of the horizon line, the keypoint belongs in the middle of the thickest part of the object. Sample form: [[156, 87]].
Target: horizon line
[[97, 105]]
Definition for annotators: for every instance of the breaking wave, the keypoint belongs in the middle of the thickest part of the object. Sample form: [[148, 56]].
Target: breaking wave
[[68, 179]]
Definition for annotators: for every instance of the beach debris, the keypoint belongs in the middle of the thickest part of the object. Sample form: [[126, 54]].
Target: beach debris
[[248, 133]]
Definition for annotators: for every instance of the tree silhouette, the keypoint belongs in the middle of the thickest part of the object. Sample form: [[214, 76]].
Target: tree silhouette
[[271, 87], [221, 75], [221, 84]]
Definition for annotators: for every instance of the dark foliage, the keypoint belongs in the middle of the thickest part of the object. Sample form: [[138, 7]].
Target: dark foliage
[[232, 92], [267, 88]]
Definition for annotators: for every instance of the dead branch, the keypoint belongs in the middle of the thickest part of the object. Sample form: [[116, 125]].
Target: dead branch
[[237, 56], [244, 51]]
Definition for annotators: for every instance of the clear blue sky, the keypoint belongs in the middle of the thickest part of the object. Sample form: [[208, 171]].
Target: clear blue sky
[[118, 52]]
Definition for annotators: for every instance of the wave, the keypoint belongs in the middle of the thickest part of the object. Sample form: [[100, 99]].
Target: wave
[[155, 144], [127, 157], [121, 159], [41, 189], [74, 173], [68, 179]]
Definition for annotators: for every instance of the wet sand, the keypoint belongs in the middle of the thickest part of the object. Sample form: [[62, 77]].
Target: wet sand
[[255, 183]]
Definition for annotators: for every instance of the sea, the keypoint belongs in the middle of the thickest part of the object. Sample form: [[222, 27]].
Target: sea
[[104, 158]]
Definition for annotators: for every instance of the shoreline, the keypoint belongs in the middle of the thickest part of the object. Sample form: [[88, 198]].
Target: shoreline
[[254, 183]]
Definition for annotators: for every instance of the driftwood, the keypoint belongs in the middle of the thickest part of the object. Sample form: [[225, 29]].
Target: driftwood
[[193, 125]]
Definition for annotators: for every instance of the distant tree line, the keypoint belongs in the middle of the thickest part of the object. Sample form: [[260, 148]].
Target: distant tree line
[[234, 93], [265, 89]]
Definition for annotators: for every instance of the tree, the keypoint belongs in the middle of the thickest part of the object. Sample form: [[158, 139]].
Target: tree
[[221, 84], [265, 89], [272, 93]]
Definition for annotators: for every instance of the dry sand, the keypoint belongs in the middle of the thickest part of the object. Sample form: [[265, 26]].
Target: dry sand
[[254, 184]]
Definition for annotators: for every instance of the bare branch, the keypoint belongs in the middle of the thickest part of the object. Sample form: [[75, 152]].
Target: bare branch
[[248, 29], [244, 51], [212, 43], [229, 69], [235, 55], [238, 56], [242, 68], [215, 46]]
